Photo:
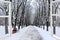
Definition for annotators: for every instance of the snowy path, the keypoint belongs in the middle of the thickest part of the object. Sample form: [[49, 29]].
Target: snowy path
[[27, 33], [45, 34], [30, 33]]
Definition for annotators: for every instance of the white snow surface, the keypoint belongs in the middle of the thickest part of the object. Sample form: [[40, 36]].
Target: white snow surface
[[46, 35], [30, 33], [58, 31]]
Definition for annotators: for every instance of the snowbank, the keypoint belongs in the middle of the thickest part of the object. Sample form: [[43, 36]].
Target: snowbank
[[46, 35], [28, 33]]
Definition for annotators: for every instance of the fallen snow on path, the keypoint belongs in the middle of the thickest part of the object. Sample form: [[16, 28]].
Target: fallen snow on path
[[45, 34], [58, 31], [30, 33]]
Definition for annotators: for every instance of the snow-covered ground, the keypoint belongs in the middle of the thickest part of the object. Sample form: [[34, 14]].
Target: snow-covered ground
[[31, 33], [58, 31], [45, 34], [2, 31]]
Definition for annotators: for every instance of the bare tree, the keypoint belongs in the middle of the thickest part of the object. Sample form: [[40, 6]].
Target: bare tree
[[5, 8], [22, 14]]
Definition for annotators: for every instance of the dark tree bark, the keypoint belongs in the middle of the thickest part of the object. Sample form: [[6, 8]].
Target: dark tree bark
[[22, 15], [6, 22], [6, 25], [17, 13]]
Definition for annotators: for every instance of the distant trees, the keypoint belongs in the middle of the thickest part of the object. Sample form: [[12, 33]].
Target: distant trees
[[27, 18], [18, 11], [39, 14], [21, 12], [22, 16], [43, 12]]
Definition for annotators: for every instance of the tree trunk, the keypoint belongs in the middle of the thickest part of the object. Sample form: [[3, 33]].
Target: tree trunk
[[6, 26]]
